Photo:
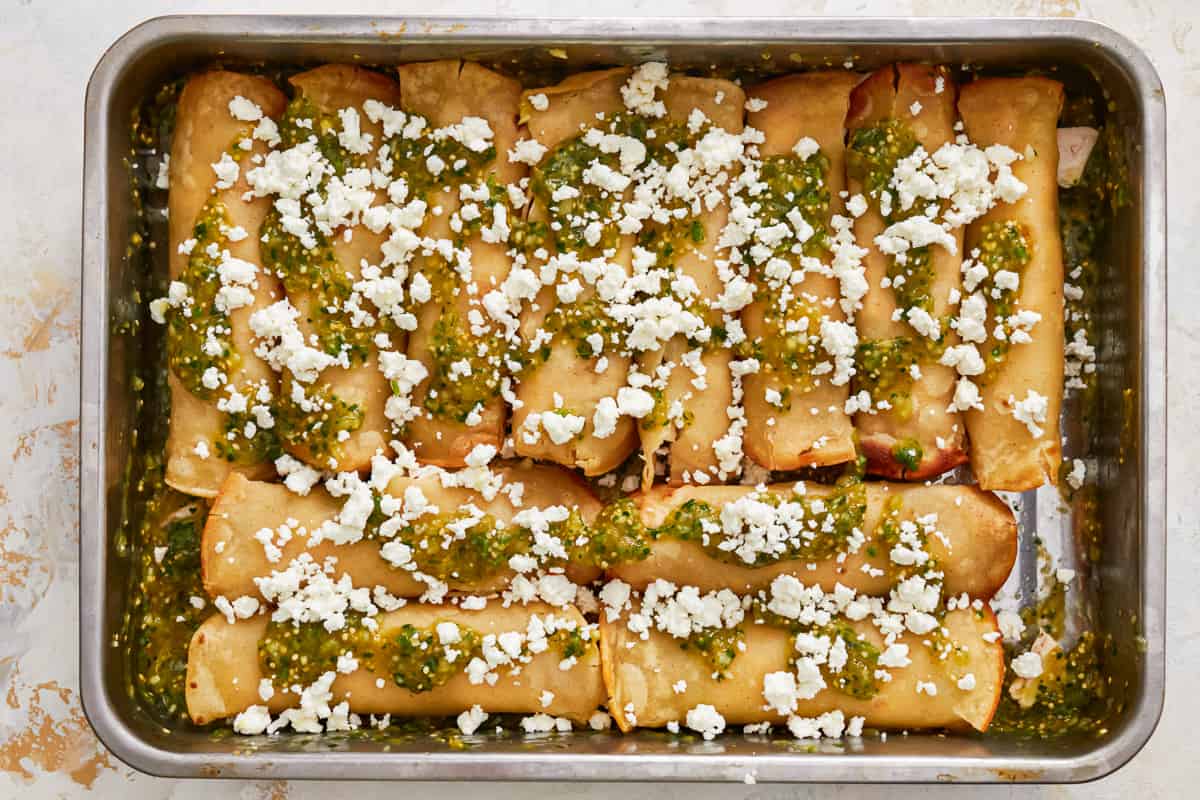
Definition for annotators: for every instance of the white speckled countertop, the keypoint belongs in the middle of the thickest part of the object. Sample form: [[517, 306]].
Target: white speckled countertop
[[47, 51]]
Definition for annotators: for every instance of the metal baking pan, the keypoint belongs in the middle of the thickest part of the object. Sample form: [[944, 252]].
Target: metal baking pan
[[1126, 598]]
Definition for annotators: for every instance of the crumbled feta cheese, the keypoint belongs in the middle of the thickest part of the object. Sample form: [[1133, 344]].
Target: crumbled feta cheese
[[244, 110], [253, 721], [638, 93], [1078, 474], [705, 720], [806, 148], [470, 720], [1027, 665], [1031, 411], [1010, 624]]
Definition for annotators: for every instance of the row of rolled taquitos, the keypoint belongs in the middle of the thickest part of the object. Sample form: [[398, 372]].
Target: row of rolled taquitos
[[638, 679], [1018, 112]]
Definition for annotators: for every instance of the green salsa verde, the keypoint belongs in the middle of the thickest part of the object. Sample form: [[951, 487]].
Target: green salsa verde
[[717, 646], [834, 517], [201, 322], [583, 220], [315, 275], [445, 547], [583, 215], [789, 346], [411, 159], [302, 120], [162, 611], [795, 184], [856, 678], [318, 423], [908, 453], [416, 658], [1086, 212], [576, 221], [467, 370], [884, 368], [887, 535], [873, 152], [200, 345], [872, 155], [1073, 695], [1002, 246], [482, 551]]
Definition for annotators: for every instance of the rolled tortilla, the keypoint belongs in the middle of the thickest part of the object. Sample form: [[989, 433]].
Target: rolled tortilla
[[573, 106], [223, 671], [332, 88], [919, 423], [1021, 113], [204, 130], [976, 556], [444, 92], [640, 679], [814, 430], [705, 408], [231, 557]]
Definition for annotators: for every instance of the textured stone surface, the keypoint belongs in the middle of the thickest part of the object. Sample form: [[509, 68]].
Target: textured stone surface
[[47, 50]]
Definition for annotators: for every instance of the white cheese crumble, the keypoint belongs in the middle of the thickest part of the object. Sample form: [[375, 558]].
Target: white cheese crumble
[[470, 720], [705, 720], [1031, 411], [639, 92], [1027, 665], [1078, 474]]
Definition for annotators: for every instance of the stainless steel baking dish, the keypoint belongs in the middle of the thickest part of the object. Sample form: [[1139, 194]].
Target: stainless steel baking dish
[[1129, 603]]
